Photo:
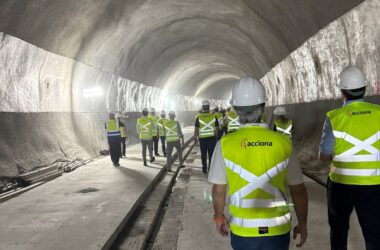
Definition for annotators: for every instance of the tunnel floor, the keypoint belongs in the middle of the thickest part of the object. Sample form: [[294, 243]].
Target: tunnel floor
[[90, 214]]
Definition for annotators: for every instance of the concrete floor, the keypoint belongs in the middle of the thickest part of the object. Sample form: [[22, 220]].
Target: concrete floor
[[81, 209]]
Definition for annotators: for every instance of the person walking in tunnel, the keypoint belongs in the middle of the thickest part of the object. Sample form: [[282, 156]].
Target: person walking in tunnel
[[231, 120], [161, 123], [351, 142], [114, 138], [155, 119], [257, 165], [123, 134], [174, 136], [145, 129], [282, 123], [206, 129], [219, 116]]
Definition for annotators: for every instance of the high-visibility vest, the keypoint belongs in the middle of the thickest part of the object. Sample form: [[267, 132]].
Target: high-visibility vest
[[206, 125], [154, 119], [113, 129], [356, 129], [160, 125], [123, 132], [256, 161], [284, 126], [145, 127], [233, 121], [171, 131], [219, 116]]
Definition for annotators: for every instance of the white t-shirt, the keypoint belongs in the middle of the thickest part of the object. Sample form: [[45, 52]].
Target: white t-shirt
[[218, 175]]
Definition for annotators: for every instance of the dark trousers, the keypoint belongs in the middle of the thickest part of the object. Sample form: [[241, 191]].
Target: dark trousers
[[280, 242], [207, 148], [155, 144], [147, 144], [163, 144], [123, 150], [342, 199], [115, 148], [171, 146]]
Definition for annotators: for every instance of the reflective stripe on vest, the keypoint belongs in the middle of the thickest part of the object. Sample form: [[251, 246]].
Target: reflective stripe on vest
[[256, 182], [233, 123], [113, 128], [206, 127], [145, 127], [285, 131], [171, 131], [356, 130]]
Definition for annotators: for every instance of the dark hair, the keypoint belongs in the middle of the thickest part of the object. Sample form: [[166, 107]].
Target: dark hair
[[354, 94], [145, 113]]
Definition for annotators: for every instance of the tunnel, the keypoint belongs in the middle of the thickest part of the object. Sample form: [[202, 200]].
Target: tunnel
[[66, 64]]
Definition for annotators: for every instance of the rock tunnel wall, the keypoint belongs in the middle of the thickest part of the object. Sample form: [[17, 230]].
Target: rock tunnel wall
[[47, 114]]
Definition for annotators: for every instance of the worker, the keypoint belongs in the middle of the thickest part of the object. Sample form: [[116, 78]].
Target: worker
[[123, 133], [257, 165], [231, 120], [351, 142], [206, 129], [223, 124], [282, 123], [114, 138], [173, 135], [160, 124], [219, 116], [155, 119], [145, 129]]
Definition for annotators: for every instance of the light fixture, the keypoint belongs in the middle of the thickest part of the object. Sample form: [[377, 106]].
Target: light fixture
[[92, 92]]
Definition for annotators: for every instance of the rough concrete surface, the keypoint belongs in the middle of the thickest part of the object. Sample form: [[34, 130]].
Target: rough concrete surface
[[80, 210]]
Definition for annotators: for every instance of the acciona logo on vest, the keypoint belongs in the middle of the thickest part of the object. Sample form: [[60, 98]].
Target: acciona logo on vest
[[245, 143], [361, 112]]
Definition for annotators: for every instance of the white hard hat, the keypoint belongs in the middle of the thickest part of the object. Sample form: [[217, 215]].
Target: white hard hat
[[280, 111], [145, 110], [152, 110], [163, 112], [205, 103], [352, 78], [118, 115], [248, 92], [172, 113]]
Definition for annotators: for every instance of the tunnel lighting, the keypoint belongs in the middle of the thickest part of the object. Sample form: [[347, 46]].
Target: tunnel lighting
[[92, 92]]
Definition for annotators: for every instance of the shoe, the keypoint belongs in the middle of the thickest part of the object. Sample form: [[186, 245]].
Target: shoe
[[204, 171], [164, 155], [182, 166], [152, 160], [145, 164], [116, 164], [157, 155], [169, 170]]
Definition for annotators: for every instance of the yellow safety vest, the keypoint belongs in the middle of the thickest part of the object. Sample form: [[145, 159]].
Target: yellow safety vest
[[284, 127], [145, 127], [154, 119], [356, 129], [161, 123], [256, 161], [206, 125], [171, 131], [233, 121], [123, 131], [113, 129]]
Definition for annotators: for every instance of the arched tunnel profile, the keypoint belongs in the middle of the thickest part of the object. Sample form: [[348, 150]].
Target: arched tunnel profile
[[65, 64]]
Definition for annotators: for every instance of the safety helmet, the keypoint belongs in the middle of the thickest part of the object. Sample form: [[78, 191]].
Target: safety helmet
[[280, 111], [163, 112], [118, 115], [205, 103], [145, 110], [352, 77], [171, 113], [152, 110], [248, 92]]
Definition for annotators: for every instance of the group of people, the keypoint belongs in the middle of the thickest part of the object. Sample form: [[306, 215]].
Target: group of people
[[150, 129], [256, 166], [210, 126]]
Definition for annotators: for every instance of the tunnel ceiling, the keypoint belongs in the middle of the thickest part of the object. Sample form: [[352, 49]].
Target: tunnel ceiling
[[190, 47]]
